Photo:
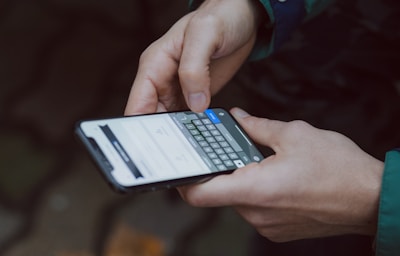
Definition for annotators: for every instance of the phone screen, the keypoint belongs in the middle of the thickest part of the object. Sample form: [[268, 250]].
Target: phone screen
[[157, 148]]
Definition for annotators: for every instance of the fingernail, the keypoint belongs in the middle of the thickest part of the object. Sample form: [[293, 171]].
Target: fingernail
[[239, 113], [197, 101]]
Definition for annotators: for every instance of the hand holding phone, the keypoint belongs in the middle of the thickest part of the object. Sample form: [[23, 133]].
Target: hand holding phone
[[163, 150]]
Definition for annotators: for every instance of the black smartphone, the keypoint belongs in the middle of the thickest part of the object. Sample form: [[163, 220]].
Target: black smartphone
[[164, 150]]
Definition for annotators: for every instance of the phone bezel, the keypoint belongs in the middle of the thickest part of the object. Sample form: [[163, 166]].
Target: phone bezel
[[151, 186]]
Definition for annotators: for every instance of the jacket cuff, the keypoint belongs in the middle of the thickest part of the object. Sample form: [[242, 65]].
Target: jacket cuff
[[281, 18], [388, 233], [285, 16]]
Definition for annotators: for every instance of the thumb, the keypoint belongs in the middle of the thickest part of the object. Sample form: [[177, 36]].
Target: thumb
[[200, 44], [263, 131]]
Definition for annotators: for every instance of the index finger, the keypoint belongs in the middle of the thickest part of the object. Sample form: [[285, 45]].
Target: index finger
[[142, 98], [155, 77], [221, 190]]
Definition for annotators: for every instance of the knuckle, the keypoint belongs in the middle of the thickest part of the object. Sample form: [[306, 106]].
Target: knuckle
[[193, 79], [150, 53], [205, 20], [188, 73], [299, 125], [298, 128], [144, 56]]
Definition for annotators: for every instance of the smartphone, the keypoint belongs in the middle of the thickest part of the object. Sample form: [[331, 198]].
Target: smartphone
[[164, 150]]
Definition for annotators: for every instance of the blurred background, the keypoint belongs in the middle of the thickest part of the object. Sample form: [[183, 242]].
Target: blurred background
[[62, 61]]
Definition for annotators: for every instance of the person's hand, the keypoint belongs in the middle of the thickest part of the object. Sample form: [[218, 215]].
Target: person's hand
[[318, 183], [195, 58]]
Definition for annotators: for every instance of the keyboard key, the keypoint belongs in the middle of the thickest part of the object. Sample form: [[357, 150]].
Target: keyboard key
[[206, 134], [228, 150], [197, 122], [219, 138], [217, 161], [194, 132], [233, 156], [224, 157], [229, 163], [224, 144], [201, 115], [215, 132], [206, 121], [213, 155], [221, 167], [201, 128], [208, 149], [190, 126], [210, 139], [214, 145], [198, 137], [219, 151], [212, 127], [203, 143], [238, 163]]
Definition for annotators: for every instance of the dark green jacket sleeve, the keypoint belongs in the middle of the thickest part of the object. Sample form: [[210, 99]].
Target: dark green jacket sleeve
[[388, 235], [282, 17]]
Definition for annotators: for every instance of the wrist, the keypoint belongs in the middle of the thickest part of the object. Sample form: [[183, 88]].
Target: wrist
[[370, 194]]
